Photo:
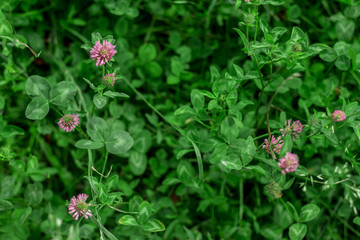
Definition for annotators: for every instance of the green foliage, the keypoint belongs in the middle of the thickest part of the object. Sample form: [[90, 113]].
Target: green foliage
[[175, 149]]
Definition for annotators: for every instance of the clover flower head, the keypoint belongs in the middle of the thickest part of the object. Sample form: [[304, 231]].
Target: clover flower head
[[293, 129], [338, 116], [109, 79], [289, 163], [102, 53], [274, 144], [68, 122], [247, 0], [273, 190], [79, 207]]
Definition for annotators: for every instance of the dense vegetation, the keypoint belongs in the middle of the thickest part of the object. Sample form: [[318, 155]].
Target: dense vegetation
[[169, 119]]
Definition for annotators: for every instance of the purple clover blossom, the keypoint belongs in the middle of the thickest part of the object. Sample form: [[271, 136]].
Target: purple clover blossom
[[68, 122], [247, 0], [293, 129], [79, 207], [289, 163], [109, 79], [102, 53], [338, 116], [274, 144]]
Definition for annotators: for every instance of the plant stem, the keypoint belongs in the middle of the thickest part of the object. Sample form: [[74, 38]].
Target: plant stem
[[104, 165], [287, 209], [241, 203]]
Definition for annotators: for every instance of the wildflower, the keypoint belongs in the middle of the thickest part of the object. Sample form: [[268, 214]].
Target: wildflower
[[289, 163], [338, 116], [109, 79], [275, 145], [79, 207], [273, 190], [247, 0], [102, 53], [68, 122], [293, 129]]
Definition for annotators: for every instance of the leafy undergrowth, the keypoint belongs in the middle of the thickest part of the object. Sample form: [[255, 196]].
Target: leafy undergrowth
[[179, 119]]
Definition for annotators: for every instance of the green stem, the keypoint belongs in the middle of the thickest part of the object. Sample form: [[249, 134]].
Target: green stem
[[104, 165], [122, 211], [57, 111], [256, 22], [287, 208], [90, 163], [241, 204]]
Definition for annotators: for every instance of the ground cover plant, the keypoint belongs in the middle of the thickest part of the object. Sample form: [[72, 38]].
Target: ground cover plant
[[234, 119]]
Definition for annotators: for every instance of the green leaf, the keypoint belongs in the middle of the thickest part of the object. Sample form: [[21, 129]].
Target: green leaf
[[112, 182], [175, 39], [112, 94], [97, 129], [244, 39], [5, 205], [62, 92], [92, 86], [11, 130], [176, 66], [277, 32], [33, 194], [5, 28], [99, 101], [37, 86], [183, 152], [297, 231], [317, 48], [238, 4], [297, 35], [128, 220], [144, 212], [147, 52], [197, 99], [154, 69], [342, 48], [249, 151], [343, 63], [296, 215], [184, 110], [119, 142], [172, 79], [88, 144], [328, 55], [330, 136], [37, 109], [153, 225], [229, 129], [20, 215], [102, 193], [231, 162], [95, 37], [2, 102], [137, 162], [345, 29], [309, 212], [357, 220], [32, 164], [350, 108], [287, 147], [185, 170]]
